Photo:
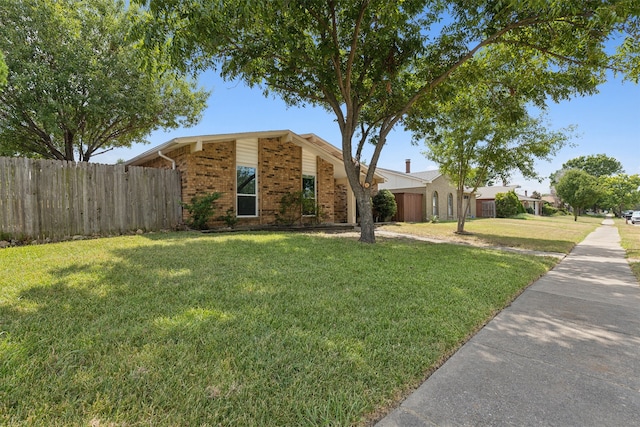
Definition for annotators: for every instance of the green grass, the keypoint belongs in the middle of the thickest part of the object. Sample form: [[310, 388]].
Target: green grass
[[236, 329], [630, 241], [549, 234]]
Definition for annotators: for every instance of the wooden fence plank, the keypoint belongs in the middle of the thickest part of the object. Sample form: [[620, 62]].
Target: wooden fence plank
[[57, 199]]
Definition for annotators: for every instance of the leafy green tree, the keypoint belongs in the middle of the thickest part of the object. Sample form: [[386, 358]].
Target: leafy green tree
[[486, 132], [3, 71], [75, 85], [620, 191], [578, 189], [597, 165], [370, 61]]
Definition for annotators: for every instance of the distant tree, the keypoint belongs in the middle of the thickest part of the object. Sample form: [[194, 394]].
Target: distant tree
[[620, 192], [369, 62], [75, 85], [578, 189], [597, 165], [536, 195]]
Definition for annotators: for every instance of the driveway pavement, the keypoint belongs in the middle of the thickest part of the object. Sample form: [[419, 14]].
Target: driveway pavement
[[565, 353]]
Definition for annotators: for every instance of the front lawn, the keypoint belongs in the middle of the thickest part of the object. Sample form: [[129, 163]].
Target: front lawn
[[630, 241], [236, 329], [548, 234]]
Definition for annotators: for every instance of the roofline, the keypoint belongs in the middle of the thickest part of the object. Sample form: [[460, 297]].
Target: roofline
[[186, 140], [402, 175]]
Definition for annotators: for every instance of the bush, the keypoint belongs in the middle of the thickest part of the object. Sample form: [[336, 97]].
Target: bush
[[529, 210], [384, 205], [200, 210], [508, 204], [548, 210]]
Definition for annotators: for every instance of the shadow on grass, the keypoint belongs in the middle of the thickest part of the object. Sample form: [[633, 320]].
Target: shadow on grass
[[244, 329]]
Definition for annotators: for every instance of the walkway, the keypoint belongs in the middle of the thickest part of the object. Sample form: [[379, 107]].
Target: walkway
[[565, 353]]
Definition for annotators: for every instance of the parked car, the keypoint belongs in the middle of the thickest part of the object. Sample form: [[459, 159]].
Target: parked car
[[627, 214], [635, 217]]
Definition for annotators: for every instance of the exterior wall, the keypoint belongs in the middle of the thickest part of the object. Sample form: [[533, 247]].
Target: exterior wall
[[213, 169], [326, 190], [340, 201], [279, 173], [443, 187]]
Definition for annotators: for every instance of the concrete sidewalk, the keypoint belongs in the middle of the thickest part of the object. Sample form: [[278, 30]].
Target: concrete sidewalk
[[565, 353]]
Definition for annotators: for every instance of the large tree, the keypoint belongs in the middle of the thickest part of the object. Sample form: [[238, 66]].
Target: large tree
[[620, 191], [578, 189], [596, 164], [487, 132], [370, 61], [76, 87]]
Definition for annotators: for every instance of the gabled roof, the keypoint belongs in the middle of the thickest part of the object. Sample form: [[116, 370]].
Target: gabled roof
[[490, 192], [429, 176], [311, 142]]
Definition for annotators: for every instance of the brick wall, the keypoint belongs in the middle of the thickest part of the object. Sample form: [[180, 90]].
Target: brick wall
[[279, 173], [340, 203], [326, 190]]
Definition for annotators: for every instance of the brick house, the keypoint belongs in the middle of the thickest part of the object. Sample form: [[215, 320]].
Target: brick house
[[254, 170], [420, 196]]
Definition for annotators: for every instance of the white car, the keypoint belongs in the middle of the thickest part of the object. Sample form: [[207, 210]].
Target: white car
[[635, 217]]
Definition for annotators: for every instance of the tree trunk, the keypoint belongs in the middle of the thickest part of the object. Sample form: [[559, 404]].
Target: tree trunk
[[367, 229], [462, 210]]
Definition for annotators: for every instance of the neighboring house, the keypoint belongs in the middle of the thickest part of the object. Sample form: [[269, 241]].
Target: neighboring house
[[486, 200], [254, 170], [421, 196]]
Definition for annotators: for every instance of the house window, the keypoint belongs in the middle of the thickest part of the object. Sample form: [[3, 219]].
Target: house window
[[435, 204], [450, 205], [308, 195], [246, 191]]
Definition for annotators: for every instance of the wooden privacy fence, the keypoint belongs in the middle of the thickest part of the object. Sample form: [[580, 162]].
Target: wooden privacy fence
[[55, 199]]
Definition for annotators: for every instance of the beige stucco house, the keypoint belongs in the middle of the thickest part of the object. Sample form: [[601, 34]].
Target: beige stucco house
[[254, 170], [420, 196]]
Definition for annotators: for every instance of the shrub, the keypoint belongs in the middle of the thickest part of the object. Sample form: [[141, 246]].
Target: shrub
[[293, 206], [507, 204], [548, 210], [384, 205], [229, 218], [200, 210], [529, 210]]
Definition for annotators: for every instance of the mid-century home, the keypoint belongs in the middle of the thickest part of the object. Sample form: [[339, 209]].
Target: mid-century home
[[254, 170]]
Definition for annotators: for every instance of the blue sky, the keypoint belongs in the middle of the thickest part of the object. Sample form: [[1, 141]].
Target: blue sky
[[608, 123]]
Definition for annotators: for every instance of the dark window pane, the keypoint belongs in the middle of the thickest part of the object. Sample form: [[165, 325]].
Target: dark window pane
[[246, 205]]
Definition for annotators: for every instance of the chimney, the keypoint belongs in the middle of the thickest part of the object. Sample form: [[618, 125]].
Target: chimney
[[408, 165], [525, 193]]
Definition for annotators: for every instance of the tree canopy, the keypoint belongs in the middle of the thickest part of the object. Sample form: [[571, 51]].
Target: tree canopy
[[596, 164], [75, 83], [3, 71], [579, 189], [620, 191], [486, 131], [370, 61]]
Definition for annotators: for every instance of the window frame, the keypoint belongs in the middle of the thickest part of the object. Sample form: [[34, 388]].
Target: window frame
[[315, 194], [247, 195]]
